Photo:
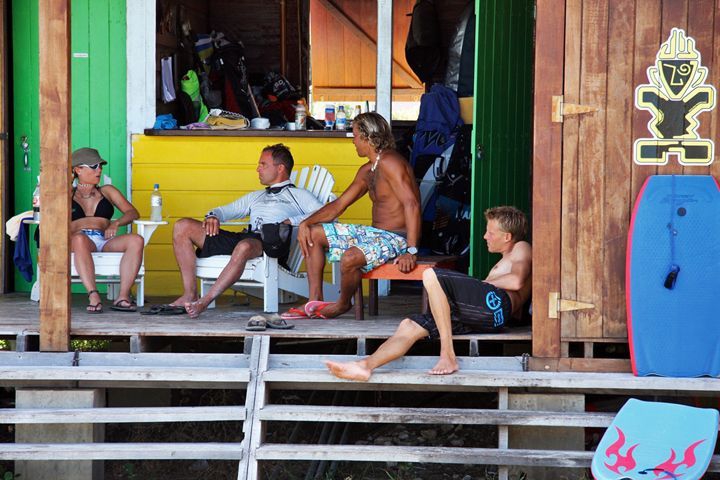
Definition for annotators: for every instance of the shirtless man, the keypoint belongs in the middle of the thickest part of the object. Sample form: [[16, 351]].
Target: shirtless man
[[395, 231], [461, 304]]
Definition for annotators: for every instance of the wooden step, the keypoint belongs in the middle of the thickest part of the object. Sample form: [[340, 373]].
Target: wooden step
[[410, 378], [372, 453], [122, 415], [120, 451], [449, 416]]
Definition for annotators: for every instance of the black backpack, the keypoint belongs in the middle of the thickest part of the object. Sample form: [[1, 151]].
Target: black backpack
[[422, 48], [229, 60]]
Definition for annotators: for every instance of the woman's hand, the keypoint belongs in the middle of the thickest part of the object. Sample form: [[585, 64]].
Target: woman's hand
[[111, 230]]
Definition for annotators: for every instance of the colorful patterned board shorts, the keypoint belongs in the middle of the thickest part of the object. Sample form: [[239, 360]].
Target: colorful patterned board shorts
[[377, 245]]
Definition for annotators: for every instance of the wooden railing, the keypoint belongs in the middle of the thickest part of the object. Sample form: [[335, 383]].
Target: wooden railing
[[261, 371]]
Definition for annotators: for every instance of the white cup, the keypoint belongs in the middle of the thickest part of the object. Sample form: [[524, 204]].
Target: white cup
[[260, 123], [290, 126]]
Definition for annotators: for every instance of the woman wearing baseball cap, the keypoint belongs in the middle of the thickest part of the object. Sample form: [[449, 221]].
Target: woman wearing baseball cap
[[93, 229]]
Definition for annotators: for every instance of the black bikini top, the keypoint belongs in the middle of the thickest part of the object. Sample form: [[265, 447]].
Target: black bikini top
[[104, 208]]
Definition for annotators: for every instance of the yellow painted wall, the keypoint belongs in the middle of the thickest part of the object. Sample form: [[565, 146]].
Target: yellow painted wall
[[198, 173]]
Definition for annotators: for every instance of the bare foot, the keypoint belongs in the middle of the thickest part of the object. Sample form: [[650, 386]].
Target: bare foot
[[330, 310], [182, 300], [445, 366], [349, 370], [194, 309]]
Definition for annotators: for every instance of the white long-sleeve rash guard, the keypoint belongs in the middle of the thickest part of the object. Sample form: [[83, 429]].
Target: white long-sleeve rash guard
[[292, 203]]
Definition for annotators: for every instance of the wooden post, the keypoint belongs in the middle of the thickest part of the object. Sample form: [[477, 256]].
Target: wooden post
[[3, 139], [54, 28], [547, 165]]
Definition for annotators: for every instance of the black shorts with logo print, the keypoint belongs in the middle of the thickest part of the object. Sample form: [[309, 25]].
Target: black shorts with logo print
[[475, 306]]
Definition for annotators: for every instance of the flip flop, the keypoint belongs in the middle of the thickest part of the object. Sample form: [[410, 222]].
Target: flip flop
[[314, 307], [294, 314], [256, 323], [164, 310], [124, 306], [279, 323], [94, 308]]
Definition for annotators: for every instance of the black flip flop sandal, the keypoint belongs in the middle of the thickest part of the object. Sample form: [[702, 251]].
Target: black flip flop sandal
[[279, 323], [96, 307], [124, 306]]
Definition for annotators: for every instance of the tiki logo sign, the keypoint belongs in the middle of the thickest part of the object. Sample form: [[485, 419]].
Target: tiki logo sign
[[675, 96]]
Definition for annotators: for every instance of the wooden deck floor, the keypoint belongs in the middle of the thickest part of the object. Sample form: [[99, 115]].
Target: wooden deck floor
[[20, 316]]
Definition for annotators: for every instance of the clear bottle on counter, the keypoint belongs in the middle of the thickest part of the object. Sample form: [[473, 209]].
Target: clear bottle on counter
[[358, 111], [341, 119], [156, 204], [300, 116]]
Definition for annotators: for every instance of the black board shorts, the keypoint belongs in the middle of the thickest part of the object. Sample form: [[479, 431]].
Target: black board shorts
[[475, 306], [224, 243]]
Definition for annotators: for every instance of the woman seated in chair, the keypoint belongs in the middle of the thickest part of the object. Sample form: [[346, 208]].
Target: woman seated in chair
[[93, 230]]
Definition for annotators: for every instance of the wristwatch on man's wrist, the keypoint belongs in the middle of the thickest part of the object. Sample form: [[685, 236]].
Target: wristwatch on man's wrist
[[412, 250]]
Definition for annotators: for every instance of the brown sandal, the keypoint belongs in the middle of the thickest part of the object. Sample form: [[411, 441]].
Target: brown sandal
[[94, 308]]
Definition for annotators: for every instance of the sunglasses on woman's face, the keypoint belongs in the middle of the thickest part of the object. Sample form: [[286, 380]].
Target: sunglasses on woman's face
[[94, 166]]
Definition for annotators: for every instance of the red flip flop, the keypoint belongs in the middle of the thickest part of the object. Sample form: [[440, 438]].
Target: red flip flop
[[314, 308], [294, 314]]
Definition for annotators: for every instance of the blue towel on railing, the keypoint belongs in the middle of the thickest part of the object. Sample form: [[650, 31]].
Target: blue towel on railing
[[21, 256]]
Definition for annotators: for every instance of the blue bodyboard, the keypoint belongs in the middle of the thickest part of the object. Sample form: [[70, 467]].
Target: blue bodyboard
[[673, 277], [655, 440]]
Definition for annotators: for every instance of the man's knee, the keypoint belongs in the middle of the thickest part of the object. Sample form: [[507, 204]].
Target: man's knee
[[184, 227], [429, 276], [246, 249], [319, 238], [409, 328], [352, 259]]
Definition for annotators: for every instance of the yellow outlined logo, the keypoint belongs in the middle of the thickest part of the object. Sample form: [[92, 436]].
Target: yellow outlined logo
[[675, 96]]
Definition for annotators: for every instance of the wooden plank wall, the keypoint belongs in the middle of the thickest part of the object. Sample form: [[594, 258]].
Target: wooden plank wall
[[257, 23], [340, 60], [609, 45]]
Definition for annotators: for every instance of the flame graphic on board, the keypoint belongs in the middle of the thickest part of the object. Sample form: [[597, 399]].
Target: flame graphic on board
[[687, 461], [626, 462]]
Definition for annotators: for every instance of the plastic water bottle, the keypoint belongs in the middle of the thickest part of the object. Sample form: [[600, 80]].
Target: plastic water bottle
[[36, 202], [329, 117], [156, 204], [341, 119], [358, 111], [300, 116]]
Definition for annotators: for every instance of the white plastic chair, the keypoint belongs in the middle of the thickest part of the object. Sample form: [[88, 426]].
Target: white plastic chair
[[263, 277], [107, 264]]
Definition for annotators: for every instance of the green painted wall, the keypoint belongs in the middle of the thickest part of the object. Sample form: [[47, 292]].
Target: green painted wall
[[503, 115], [98, 73]]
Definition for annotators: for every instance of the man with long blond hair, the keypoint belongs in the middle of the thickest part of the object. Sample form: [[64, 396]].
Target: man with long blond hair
[[395, 232]]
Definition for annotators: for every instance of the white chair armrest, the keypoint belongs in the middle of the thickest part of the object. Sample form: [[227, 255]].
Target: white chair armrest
[[146, 228]]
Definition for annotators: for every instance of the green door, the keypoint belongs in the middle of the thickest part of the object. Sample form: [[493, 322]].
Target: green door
[[98, 116], [503, 115]]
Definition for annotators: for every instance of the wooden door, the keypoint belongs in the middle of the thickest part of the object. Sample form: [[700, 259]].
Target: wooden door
[[4, 211], [594, 54]]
